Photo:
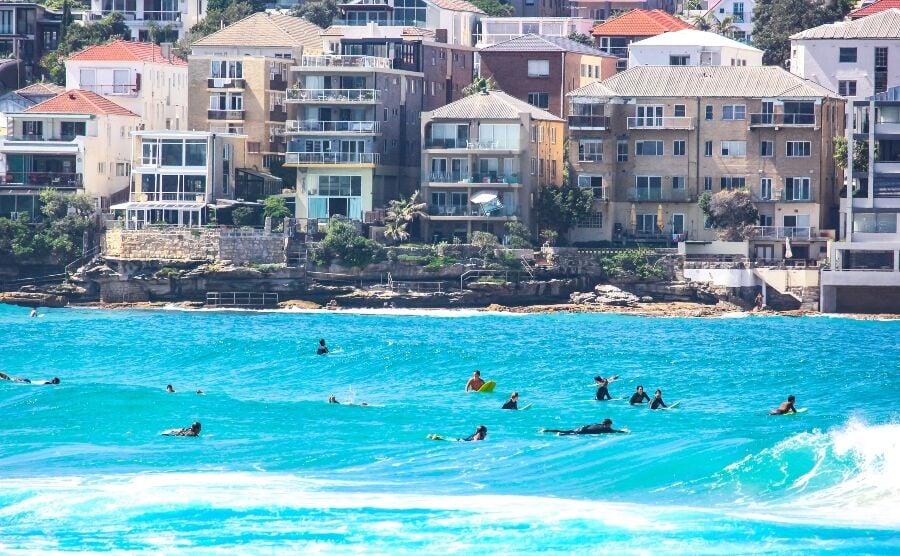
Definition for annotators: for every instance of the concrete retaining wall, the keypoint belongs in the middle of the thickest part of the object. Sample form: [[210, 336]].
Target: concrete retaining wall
[[205, 244]]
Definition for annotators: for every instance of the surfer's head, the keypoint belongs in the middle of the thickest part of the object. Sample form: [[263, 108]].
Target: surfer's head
[[791, 399], [640, 388], [598, 378], [481, 429], [195, 427], [606, 422], [476, 373], [54, 380], [658, 393], [322, 342]]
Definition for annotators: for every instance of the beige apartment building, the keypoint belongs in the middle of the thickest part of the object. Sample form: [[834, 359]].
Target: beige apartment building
[[485, 158], [649, 141], [239, 78]]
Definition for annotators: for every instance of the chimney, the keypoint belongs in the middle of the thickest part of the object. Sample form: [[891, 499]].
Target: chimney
[[166, 49], [440, 35]]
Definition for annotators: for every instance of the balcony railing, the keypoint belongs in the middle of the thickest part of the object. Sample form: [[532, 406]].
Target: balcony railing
[[36, 137], [225, 83], [339, 61], [465, 210], [665, 122], [332, 95], [475, 179], [225, 115], [589, 122], [42, 179], [780, 232], [227, 129], [128, 89], [162, 16], [617, 51], [671, 195], [470, 145], [331, 158], [759, 119], [314, 126]]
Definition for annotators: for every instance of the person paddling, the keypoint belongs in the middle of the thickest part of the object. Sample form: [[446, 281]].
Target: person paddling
[[475, 382], [604, 427], [657, 400], [785, 407], [193, 430], [322, 349]]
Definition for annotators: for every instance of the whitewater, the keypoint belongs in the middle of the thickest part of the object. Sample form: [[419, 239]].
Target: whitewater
[[278, 470]]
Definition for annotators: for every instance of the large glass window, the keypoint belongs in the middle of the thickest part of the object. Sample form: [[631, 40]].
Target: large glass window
[[797, 189], [594, 183], [847, 55], [499, 136], [449, 136], [875, 222], [648, 187], [149, 152], [538, 68], [590, 150], [195, 153], [172, 152]]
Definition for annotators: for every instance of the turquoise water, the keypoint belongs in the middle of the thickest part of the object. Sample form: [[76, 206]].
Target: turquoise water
[[277, 470]]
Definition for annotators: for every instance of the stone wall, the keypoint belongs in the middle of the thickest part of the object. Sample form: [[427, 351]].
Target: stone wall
[[195, 244]]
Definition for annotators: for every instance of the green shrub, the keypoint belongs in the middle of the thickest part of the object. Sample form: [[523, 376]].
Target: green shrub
[[342, 241], [168, 272], [437, 263], [632, 262], [265, 267], [419, 259], [245, 216], [518, 236]]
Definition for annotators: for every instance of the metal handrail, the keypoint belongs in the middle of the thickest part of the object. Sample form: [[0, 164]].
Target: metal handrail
[[331, 95]]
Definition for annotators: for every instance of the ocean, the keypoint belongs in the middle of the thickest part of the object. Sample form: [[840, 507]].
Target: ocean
[[277, 470]]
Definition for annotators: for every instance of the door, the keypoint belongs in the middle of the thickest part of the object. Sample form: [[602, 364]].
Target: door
[[768, 109], [765, 252], [677, 223], [649, 116]]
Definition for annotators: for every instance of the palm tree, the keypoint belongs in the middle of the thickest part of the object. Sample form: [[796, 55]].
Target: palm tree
[[701, 23], [400, 214], [480, 85], [726, 26]]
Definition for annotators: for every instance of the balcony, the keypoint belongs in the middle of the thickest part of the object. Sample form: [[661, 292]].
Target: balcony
[[227, 129], [277, 83], [339, 61], [759, 119], [332, 95], [42, 179], [332, 158], [315, 126], [277, 114], [668, 196], [471, 180], [660, 123], [224, 114], [617, 51], [36, 137], [167, 16], [121, 90], [589, 122], [225, 83], [779, 232], [437, 212], [452, 144]]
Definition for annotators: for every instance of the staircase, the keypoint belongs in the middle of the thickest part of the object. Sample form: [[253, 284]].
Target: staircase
[[529, 269]]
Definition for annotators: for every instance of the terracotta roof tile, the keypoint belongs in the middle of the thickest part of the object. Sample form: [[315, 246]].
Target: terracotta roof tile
[[640, 23], [80, 102], [126, 51], [874, 8]]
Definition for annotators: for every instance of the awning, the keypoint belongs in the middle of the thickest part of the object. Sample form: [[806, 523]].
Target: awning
[[159, 205], [482, 197], [33, 147]]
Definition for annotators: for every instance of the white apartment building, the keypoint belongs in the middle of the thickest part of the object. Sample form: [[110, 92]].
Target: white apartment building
[[141, 77], [857, 59], [690, 47], [175, 17], [76, 142], [740, 12], [499, 29]]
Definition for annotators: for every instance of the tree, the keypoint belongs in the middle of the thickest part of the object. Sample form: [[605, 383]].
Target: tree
[[517, 235], [725, 26], [559, 208], [56, 234], [702, 23], [480, 85], [860, 154], [732, 212], [485, 242], [57, 205], [400, 214], [321, 13], [245, 216], [342, 241], [581, 38], [217, 19], [494, 8], [774, 21], [79, 37], [275, 208]]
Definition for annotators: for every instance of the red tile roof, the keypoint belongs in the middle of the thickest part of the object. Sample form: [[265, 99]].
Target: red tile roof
[[874, 8], [80, 102], [640, 23], [126, 51]]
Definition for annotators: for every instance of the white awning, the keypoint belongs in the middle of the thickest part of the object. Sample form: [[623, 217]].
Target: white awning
[[482, 197], [33, 147], [159, 205]]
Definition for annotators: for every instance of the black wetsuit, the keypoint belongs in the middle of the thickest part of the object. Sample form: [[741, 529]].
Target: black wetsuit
[[599, 428], [470, 438], [657, 402], [511, 404], [638, 398], [603, 393], [322, 350]]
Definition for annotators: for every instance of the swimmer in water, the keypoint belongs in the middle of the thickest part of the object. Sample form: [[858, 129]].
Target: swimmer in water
[[785, 407], [169, 389], [639, 396], [603, 383], [34, 313], [475, 382], [513, 402], [332, 399], [600, 428], [323, 349], [479, 434], [194, 430], [657, 400], [4, 376]]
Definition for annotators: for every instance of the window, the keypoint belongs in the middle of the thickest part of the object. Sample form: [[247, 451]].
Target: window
[[765, 189], [6, 22], [592, 220], [679, 148], [195, 153], [534, 166], [594, 183], [225, 69], [709, 112], [33, 128], [732, 182], [590, 150], [707, 183], [648, 148], [172, 152], [678, 182], [707, 148], [648, 187], [881, 66], [847, 56], [679, 111], [499, 136], [647, 223], [847, 88], [734, 112], [733, 148], [766, 148], [101, 168], [679, 60], [796, 189], [541, 100], [149, 153], [622, 151], [538, 68], [339, 186], [87, 79], [123, 169], [875, 222], [648, 116], [798, 148]]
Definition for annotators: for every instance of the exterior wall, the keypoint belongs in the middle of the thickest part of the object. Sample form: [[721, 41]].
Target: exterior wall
[[102, 153], [460, 26], [26, 42], [601, 10], [237, 246], [578, 75], [540, 8], [726, 8], [499, 29], [140, 21], [656, 55], [818, 60], [450, 69]]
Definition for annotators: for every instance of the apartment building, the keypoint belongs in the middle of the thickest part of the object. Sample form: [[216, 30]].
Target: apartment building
[[858, 58], [26, 97], [174, 18], [542, 70], [458, 18], [499, 29], [691, 47], [601, 10], [28, 31], [739, 13], [142, 77], [239, 79], [486, 157], [614, 35], [652, 139], [864, 274], [179, 174], [354, 131], [76, 141]]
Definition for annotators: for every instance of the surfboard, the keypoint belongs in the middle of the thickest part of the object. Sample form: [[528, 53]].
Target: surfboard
[[526, 407], [439, 437], [487, 387], [671, 405], [799, 410], [597, 385], [609, 400]]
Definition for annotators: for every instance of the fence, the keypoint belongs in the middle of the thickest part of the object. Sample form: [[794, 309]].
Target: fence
[[241, 299]]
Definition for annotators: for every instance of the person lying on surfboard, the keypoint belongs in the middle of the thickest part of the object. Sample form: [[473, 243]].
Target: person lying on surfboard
[[475, 382], [512, 402], [600, 428], [657, 400], [603, 383], [194, 430], [4, 376], [479, 434], [785, 407], [639, 396]]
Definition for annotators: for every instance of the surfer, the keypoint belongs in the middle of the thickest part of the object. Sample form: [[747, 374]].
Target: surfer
[[512, 402], [4, 376], [34, 312], [323, 349], [657, 400], [475, 382], [479, 434], [639, 396], [785, 407], [169, 389], [603, 383], [332, 399], [194, 430], [604, 427]]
